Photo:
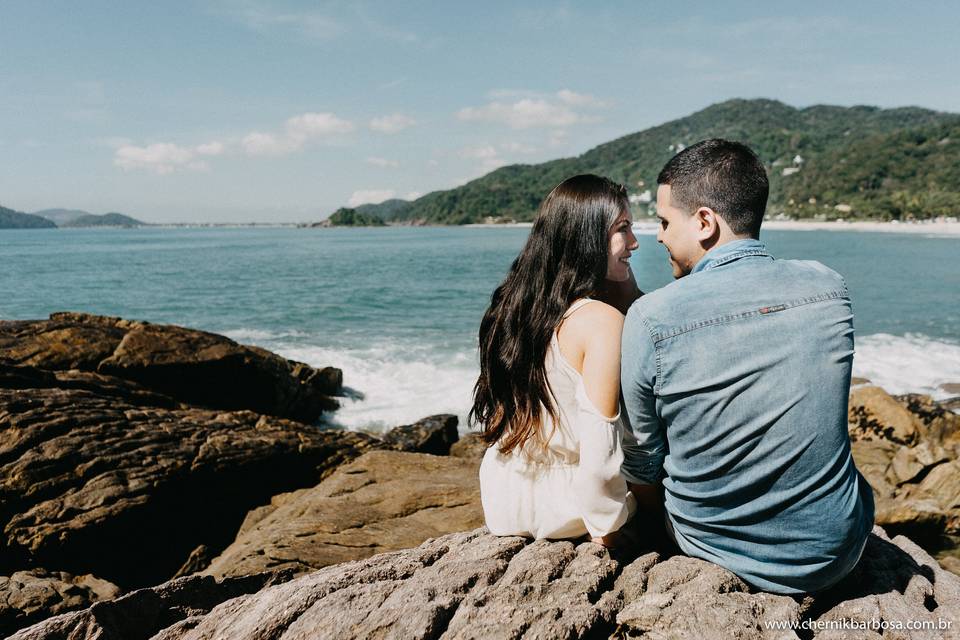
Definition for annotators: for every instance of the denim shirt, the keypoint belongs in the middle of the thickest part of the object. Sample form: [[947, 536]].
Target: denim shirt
[[735, 387]]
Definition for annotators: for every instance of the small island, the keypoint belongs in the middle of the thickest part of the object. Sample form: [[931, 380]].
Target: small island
[[347, 217]]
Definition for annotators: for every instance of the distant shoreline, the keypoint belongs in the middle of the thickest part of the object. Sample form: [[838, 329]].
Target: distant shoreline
[[945, 229], [644, 227]]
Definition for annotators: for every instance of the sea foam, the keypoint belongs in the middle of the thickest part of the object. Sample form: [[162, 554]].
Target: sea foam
[[908, 364], [390, 383]]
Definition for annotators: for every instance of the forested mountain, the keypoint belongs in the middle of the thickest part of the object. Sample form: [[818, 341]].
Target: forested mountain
[[870, 162], [105, 220], [10, 219]]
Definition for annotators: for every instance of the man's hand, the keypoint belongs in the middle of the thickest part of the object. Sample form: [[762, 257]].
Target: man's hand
[[620, 295]]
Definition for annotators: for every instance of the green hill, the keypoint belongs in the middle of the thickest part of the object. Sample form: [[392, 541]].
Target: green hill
[[105, 220], [61, 216], [10, 219], [386, 210], [345, 217], [875, 163]]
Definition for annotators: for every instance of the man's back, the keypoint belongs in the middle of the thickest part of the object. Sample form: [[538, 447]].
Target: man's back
[[744, 366]]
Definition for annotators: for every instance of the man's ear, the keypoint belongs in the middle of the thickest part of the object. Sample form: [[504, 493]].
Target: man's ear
[[707, 224]]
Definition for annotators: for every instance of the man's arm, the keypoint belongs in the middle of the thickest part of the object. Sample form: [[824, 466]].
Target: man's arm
[[620, 295], [644, 441]]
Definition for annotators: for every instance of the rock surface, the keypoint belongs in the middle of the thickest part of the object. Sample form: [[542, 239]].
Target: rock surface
[[382, 501], [91, 484], [435, 434], [475, 585], [29, 596], [191, 366], [908, 448]]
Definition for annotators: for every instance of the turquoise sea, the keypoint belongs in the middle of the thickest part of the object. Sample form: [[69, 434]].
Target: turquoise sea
[[397, 308]]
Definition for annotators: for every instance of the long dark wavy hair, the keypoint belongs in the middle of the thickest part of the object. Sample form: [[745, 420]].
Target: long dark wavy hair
[[564, 259]]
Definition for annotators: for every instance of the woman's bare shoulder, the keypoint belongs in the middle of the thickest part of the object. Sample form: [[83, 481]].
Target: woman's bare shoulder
[[593, 323]]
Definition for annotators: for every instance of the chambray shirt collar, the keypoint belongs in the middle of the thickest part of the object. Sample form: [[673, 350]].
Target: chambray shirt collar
[[729, 252]]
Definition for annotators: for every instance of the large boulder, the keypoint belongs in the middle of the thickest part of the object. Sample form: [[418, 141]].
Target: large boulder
[[382, 501], [434, 434], [475, 585], [91, 483], [907, 448], [191, 366]]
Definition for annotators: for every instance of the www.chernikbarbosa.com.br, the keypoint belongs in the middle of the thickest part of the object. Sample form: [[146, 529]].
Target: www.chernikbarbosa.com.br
[[873, 624]]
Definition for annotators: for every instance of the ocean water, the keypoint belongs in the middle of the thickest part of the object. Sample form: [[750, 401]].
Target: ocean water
[[397, 309]]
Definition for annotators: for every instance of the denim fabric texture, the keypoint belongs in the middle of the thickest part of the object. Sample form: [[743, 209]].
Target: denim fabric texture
[[735, 386]]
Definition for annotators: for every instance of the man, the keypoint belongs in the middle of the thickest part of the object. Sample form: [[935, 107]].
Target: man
[[735, 382]]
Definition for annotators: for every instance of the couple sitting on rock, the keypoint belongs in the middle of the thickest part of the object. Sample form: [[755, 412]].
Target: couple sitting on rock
[[717, 409]]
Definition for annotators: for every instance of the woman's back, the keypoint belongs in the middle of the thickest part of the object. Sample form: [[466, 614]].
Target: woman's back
[[570, 484]]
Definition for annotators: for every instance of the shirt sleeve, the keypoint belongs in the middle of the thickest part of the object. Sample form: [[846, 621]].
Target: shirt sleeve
[[644, 440], [600, 491]]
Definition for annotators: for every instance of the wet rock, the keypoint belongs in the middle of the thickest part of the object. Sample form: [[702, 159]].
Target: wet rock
[[190, 366], [29, 596], [382, 501], [474, 585], [434, 435]]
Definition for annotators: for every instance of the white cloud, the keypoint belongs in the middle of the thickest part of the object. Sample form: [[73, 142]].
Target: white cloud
[[370, 196], [383, 162], [413, 195], [264, 144], [310, 125], [210, 149], [579, 99], [523, 114], [393, 123], [299, 131], [165, 157], [523, 109]]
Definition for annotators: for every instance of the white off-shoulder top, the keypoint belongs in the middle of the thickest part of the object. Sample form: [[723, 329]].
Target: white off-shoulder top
[[573, 486]]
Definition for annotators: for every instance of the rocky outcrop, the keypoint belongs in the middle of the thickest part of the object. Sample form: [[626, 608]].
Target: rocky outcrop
[[115, 473], [92, 484], [382, 501], [908, 448], [194, 367], [29, 596], [475, 585]]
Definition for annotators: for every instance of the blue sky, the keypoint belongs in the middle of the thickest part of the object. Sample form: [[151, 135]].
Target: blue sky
[[249, 110]]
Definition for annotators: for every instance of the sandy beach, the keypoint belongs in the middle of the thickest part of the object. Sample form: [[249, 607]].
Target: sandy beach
[[928, 228]]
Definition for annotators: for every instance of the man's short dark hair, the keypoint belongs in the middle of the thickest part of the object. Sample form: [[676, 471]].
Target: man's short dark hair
[[726, 176]]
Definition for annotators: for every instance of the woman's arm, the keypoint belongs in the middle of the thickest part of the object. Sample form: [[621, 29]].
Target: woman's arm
[[600, 489]]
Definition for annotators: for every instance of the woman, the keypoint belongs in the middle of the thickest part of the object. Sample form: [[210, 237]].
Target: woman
[[548, 393]]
